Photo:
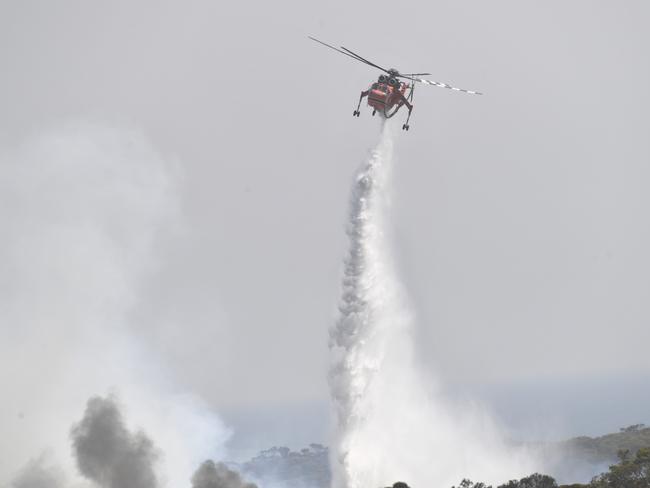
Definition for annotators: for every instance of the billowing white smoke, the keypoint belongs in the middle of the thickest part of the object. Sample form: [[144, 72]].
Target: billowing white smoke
[[80, 209], [38, 474], [391, 425]]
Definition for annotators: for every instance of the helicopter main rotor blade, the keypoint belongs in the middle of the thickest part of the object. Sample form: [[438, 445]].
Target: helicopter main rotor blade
[[409, 76], [365, 60], [357, 58], [406, 77], [445, 85]]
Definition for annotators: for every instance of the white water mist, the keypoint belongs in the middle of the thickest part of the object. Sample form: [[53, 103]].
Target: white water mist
[[391, 425]]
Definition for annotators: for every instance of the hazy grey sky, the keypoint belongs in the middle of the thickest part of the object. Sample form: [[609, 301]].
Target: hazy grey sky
[[520, 216]]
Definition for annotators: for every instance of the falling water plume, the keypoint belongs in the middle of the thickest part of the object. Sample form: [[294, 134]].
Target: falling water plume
[[391, 424]]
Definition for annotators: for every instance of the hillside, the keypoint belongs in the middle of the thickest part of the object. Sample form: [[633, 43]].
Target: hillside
[[605, 448], [576, 459]]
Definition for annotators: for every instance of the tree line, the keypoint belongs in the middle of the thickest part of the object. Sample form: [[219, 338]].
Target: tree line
[[632, 471]]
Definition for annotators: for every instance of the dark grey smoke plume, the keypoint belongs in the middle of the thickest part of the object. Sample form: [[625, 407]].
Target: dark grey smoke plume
[[211, 475], [108, 453], [37, 474]]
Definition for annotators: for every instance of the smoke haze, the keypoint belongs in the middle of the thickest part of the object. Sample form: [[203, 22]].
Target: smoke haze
[[522, 217], [39, 474], [81, 208], [528, 203]]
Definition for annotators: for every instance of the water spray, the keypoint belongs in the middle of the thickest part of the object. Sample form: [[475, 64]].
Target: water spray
[[390, 424]]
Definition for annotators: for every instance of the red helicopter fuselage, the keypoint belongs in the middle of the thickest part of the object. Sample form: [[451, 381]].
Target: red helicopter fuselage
[[383, 97]]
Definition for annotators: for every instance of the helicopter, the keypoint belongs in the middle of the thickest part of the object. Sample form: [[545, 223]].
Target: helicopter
[[388, 94]]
